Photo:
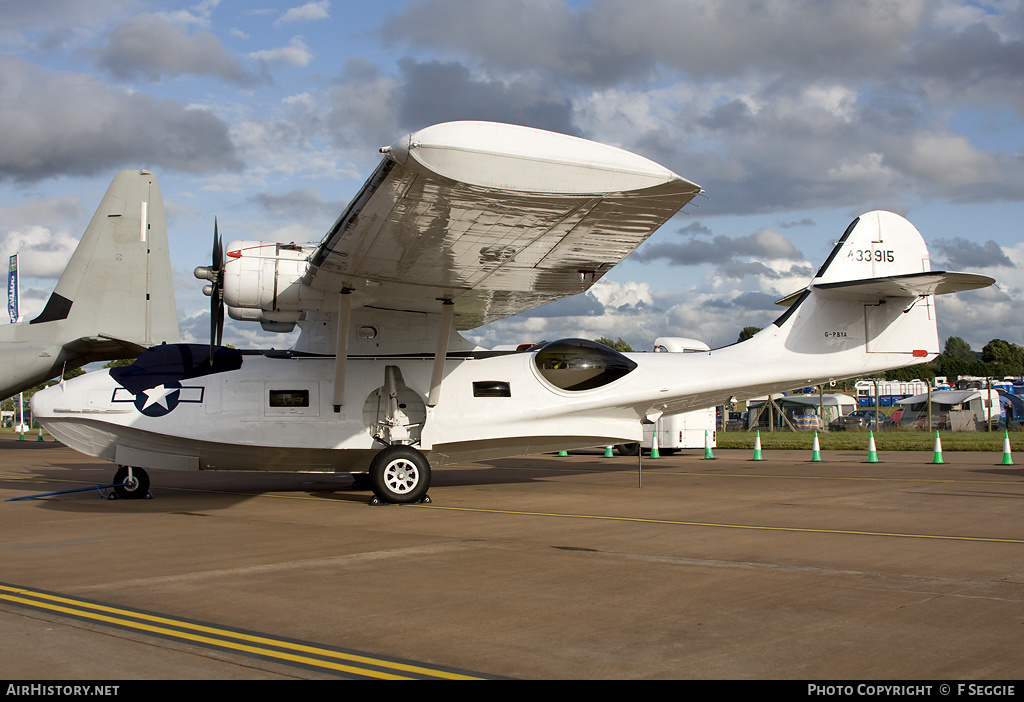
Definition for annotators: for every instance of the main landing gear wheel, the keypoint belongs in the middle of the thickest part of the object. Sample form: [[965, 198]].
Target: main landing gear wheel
[[136, 489], [627, 449], [400, 474]]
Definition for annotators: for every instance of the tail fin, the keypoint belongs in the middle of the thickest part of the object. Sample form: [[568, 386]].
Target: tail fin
[[869, 308], [114, 299], [118, 284], [873, 297]]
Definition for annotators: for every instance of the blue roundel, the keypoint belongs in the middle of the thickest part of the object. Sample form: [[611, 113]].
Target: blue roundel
[[158, 401]]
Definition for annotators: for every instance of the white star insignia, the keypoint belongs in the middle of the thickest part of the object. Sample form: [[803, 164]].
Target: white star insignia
[[158, 396]]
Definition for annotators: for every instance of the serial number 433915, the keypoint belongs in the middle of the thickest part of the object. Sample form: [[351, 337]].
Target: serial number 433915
[[871, 255]]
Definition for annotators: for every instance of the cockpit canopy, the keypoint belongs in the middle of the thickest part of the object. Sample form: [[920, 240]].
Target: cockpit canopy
[[579, 364]]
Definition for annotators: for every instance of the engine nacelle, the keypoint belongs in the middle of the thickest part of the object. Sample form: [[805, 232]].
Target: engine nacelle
[[264, 275], [281, 322]]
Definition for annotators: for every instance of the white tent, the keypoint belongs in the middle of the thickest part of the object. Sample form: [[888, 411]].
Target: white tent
[[954, 410], [801, 411]]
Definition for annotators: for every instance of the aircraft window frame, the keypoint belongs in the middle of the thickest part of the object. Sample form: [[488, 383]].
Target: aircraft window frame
[[578, 365]]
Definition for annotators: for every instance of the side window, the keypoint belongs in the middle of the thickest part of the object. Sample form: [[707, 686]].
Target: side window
[[289, 398], [295, 399], [491, 388]]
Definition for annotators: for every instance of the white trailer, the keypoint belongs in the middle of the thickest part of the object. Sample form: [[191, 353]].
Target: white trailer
[[677, 431], [890, 392]]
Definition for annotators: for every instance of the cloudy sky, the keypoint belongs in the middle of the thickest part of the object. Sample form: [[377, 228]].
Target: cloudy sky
[[795, 116]]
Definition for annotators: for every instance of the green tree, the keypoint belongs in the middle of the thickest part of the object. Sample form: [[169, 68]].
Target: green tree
[[1003, 358], [956, 347], [959, 359], [621, 345], [747, 332]]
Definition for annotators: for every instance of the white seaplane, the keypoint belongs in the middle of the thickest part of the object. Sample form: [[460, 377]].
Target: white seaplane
[[462, 224]]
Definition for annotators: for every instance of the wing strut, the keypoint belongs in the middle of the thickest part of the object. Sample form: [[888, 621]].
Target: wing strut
[[444, 332], [341, 348]]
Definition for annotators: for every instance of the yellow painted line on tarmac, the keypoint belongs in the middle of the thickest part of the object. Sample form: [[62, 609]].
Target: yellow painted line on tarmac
[[31, 479], [362, 665], [753, 527]]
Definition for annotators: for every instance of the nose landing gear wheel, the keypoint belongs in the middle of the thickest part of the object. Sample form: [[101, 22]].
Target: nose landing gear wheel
[[400, 474], [136, 489]]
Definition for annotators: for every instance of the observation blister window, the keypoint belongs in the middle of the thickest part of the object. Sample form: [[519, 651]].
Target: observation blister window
[[579, 364]]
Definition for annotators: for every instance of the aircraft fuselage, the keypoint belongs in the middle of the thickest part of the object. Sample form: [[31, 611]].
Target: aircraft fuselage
[[276, 414]]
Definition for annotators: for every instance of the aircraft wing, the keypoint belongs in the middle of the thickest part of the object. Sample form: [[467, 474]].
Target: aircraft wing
[[498, 218]]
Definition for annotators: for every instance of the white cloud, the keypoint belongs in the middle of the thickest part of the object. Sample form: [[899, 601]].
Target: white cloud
[[362, 112], [107, 128], [290, 143], [990, 313], [44, 233], [948, 159], [628, 294], [43, 252], [310, 12], [861, 167], [149, 47], [199, 14], [837, 100], [295, 55]]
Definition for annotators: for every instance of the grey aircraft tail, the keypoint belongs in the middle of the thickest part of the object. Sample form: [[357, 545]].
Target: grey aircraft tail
[[114, 299]]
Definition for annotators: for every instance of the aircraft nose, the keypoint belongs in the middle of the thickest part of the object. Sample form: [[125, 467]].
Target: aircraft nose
[[36, 403], [42, 403]]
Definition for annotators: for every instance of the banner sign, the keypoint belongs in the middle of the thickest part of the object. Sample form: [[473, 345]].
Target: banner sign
[[12, 290]]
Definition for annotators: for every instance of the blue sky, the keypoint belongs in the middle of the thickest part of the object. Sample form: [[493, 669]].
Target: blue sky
[[795, 116]]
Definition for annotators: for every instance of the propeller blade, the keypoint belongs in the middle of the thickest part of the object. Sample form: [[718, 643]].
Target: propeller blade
[[218, 249], [220, 318], [214, 320], [216, 277]]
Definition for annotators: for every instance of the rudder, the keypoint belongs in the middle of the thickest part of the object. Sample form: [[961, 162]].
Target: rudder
[[875, 295], [876, 244]]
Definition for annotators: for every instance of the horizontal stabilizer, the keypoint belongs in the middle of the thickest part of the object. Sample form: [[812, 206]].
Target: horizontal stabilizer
[[909, 285], [882, 255], [102, 348], [788, 300]]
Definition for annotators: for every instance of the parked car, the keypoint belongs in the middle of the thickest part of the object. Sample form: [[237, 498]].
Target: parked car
[[737, 421], [861, 419]]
